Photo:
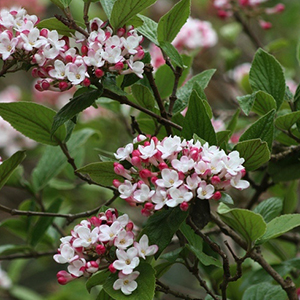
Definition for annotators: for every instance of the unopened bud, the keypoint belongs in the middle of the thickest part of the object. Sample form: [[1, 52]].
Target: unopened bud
[[184, 206]]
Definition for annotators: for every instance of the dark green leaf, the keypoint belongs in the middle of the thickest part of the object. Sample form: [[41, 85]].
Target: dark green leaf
[[285, 122], [226, 199], [54, 161], [103, 296], [263, 103], [124, 10], [172, 53], [223, 137], [55, 24], [255, 152], [266, 74], [143, 96], [162, 225], [43, 223], [290, 201], [246, 103], [101, 172], [148, 29], [248, 224], [170, 24], [75, 106], [97, 278], [109, 83], [269, 208], [13, 249], [8, 166], [232, 124], [16, 226], [33, 120], [197, 121], [65, 3], [263, 129], [145, 281], [162, 268], [183, 94], [164, 79], [264, 291]]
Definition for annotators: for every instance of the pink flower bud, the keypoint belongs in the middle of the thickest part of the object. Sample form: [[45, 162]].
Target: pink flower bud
[[63, 277], [146, 143], [63, 86], [100, 249], [92, 266], [181, 175], [69, 58], [153, 179], [145, 173], [84, 50], [184, 206], [119, 66], [38, 87], [44, 32], [215, 180], [95, 221], [136, 161], [86, 82], [222, 14], [116, 183], [121, 31], [99, 73], [145, 212], [112, 269], [136, 153], [265, 25], [162, 166], [45, 85], [149, 206], [108, 214], [217, 195], [129, 226], [244, 2]]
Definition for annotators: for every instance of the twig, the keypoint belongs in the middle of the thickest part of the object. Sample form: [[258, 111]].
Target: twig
[[86, 8], [166, 289], [27, 255], [148, 69], [284, 154], [70, 23]]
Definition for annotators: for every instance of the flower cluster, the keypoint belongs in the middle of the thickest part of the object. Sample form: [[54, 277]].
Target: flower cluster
[[251, 8], [173, 172], [60, 65], [104, 241], [194, 34]]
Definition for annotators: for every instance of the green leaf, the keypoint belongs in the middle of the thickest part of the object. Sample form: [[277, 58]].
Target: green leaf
[[285, 169], [205, 259], [109, 83], [266, 74], [290, 201], [264, 291], [246, 103], [103, 296], [101, 172], [16, 226], [23, 293], [255, 152], [172, 53], [164, 79], [65, 3], [33, 120], [53, 161], [248, 224], [279, 226], [223, 137], [107, 6], [170, 24], [183, 94], [226, 199], [43, 223], [145, 281], [263, 129], [148, 29], [285, 122], [269, 209], [232, 123], [12, 249], [58, 3], [162, 225], [197, 121], [162, 268], [263, 103], [55, 24], [143, 96], [8, 166], [75, 106], [97, 278], [124, 10]]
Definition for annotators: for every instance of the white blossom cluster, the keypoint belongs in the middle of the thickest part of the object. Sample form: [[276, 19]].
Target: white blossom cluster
[[61, 65], [173, 172], [90, 245]]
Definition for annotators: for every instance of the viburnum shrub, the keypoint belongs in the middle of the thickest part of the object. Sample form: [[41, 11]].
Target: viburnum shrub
[[209, 157]]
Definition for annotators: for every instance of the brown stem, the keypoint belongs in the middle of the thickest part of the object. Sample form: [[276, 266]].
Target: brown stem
[[70, 23], [284, 154], [28, 255], [86, 16]]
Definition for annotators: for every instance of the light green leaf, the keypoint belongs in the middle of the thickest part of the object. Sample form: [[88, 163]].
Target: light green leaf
[[97, 278], [183, 94], [197, 121], [65, 3], [164, 79], [145, 281], [255, 152], [124, 10], [162, 225], [101, 172], [226, 199], [205, 259], [12, 249], [285, 122], [279, 226], [172, 53], [33, 120], [266, 74], [107, 6], [290, 201], [143, 96], [8, 166], [57, 3], [269, 209], [23, 293], [263, 103], [55, 24], [170, 24], [75, 106], [248, 224], [264, 291], [53, 161], [232, 123], [246, 103], [148, 29], [263, 129]]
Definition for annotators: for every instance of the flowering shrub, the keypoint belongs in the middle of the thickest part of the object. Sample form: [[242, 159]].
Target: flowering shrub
[[104, 241], [173, 172]]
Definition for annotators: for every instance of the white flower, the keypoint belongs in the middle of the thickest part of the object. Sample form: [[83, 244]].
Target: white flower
[[67, 254], [137, 67], [108, 233], [75, 74], [205, 191], [126, 283], [184, 164], [192, 181], [233, 163], [126, 189], [159, 198], [131, 43], [238, 183], [143, 247], [169, 146], [179, 195], [169, 179], [143, 194], [147, 151], [86, 237], [124, 239], [59, 71], [75, 268], [7, 45], [123, 153], [126, 261], [112, 55]]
